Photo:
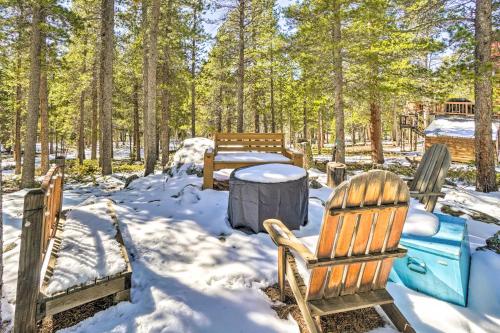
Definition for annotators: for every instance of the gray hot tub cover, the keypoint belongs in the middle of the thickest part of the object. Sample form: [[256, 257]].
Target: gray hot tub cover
[[251, 203]]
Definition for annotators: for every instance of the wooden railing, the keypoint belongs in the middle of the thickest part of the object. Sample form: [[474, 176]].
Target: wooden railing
[[457, 108], [42, 209], [52, 186]]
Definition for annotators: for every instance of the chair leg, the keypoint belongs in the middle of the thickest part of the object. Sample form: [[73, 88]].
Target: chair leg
[[397, 318], [312, 325], [281, 271]]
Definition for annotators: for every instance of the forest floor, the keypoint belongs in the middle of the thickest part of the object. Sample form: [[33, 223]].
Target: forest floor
[[193, 273]]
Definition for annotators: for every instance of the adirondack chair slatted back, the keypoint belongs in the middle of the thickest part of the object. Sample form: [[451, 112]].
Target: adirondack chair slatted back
[[263, 142], [362, 216], [431, 173]]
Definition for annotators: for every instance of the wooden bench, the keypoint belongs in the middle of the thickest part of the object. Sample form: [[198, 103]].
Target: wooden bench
[[236, 150], [40, 241]]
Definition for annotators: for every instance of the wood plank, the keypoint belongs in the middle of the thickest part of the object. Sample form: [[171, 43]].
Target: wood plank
[[30, 262], [347, 234], [253, 136], [326, 242], [234, 165], [208, 169], [375, 182], [293, 278], [281, 271], [398, 253], [52, 305], [350, 302], [241, 142], [397, 318], [249, 148], [368, 209]]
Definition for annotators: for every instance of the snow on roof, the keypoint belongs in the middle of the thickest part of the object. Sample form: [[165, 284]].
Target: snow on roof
[[457, 127]]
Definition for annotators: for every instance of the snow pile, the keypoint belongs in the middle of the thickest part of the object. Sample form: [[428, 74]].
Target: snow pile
[[252, 156], [190, 155], [457, 127], [420, 222], [89, 249], [271, 173]]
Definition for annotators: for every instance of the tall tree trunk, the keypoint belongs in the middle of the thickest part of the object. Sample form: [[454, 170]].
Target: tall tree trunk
[[165, 93], [320, 130], [376, 132], [44, 113], [193, 72], [151, 114], [241, 63], [229, 119], [17, 131], [218, 110], [339, 84], [485, 152], [106, 84], [81, 125], [220, 97], [28, 176], [19, 93], [165, 117], [145, 54], [95, 119], [304, 119], [273, 115], [136, 152]]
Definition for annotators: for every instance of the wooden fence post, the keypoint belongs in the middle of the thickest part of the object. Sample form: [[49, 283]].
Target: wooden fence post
[[30, 263], [61, 163], [336, 174]]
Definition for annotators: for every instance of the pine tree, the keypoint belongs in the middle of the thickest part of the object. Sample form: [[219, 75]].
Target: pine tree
[[485, 151], [106, 84], [28, 175]]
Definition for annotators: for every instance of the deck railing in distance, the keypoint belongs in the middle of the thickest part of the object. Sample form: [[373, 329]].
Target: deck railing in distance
[[457, 108]]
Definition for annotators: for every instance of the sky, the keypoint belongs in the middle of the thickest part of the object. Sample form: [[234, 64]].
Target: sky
[[215, 16]]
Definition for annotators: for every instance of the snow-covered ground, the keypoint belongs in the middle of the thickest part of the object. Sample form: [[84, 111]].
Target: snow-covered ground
[[89, 249], [193, 273]]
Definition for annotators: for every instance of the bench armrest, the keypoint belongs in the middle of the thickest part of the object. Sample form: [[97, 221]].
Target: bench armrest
[[282, 236], [296, 157], [209, 151], [418, 195]]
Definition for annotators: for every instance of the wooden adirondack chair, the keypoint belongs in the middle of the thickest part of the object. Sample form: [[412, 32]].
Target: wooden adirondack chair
[[430, 176], [358, 242]]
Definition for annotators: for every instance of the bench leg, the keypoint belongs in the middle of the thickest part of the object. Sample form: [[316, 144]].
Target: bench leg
[[208, 170]]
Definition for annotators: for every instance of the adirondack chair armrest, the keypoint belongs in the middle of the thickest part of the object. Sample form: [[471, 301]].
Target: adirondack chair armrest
[[282, 236], [418, 195]]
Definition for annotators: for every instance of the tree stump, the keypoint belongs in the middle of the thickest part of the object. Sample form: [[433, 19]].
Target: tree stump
[[336, 174]]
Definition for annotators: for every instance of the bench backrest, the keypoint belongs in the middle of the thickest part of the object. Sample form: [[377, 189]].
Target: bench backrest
[[363, 218], [262, 142], [431, 173]]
